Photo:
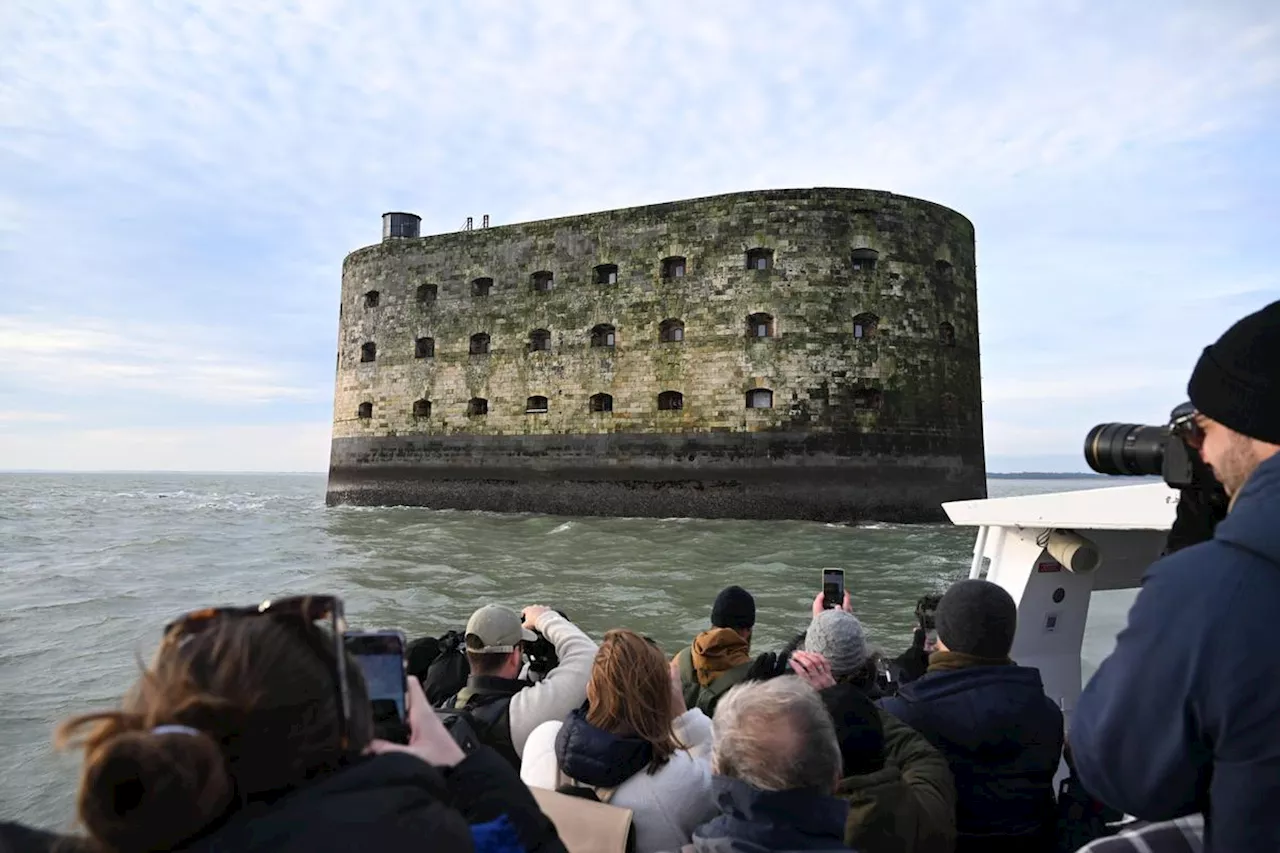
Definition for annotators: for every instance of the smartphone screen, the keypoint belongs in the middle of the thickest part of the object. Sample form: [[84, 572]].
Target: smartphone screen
[[381, 657], [832, 588]]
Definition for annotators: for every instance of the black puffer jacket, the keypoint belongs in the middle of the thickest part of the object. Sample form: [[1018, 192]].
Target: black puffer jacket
[[389, 803], [598, 758]]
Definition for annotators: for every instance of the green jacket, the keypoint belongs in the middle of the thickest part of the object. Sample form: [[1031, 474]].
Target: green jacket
[[908, 806], [705, 698]]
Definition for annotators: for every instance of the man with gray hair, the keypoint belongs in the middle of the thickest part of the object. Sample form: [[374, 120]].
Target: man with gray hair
[[775, 762]]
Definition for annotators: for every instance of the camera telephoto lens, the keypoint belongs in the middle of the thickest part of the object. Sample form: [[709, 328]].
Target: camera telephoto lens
[[1126, 449]]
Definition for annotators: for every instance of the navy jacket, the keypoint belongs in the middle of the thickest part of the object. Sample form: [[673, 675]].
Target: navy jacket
[[755, 821], [598, 758], [1184, 716], [1003, 739]]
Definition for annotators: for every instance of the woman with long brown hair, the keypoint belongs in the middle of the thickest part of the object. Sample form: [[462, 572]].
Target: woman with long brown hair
[[252, 731], [634, 743]]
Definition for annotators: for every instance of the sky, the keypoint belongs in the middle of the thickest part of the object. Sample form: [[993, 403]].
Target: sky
[[180, 181]]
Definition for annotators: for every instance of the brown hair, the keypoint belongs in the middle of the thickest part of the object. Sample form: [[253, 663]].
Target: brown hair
[[260, 692], [487, 663], [630, 693]]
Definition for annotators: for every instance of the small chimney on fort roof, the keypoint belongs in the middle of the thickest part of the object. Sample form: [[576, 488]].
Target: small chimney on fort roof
[[400, 226]]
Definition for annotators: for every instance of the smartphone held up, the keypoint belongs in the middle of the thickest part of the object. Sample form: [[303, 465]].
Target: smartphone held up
[[832, 588], [381, 658]]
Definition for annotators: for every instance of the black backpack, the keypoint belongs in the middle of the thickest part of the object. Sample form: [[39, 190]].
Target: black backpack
[[484, 719], [440, 664]]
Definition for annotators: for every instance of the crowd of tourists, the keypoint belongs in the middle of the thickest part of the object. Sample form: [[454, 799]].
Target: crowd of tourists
[[252, 728]]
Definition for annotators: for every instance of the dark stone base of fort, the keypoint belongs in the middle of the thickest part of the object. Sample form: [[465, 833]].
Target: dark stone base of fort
[[761, 475]]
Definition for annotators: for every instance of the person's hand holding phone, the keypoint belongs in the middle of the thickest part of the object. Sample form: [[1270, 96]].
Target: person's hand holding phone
[[819, 604], [428, 738]]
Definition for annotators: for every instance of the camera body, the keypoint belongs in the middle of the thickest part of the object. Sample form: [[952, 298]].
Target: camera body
[[1172, 452]]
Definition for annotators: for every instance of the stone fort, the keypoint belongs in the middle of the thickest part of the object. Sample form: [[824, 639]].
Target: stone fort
[[802, 354]]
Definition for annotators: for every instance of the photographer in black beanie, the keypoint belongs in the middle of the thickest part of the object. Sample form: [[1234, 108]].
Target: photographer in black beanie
[[720, 657], [1182, 717]]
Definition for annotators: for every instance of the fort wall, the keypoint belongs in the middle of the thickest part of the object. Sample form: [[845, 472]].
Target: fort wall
[[777, 354]]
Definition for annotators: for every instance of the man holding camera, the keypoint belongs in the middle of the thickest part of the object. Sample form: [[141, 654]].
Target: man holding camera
[[505, 707], [1182, 717]]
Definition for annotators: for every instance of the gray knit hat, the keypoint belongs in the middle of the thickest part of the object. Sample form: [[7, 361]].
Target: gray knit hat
[[839, 637]]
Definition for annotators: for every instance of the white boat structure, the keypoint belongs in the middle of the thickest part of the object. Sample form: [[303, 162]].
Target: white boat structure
[[1052, 552]]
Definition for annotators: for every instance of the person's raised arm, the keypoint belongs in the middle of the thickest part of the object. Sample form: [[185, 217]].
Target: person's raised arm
[[564, 687]]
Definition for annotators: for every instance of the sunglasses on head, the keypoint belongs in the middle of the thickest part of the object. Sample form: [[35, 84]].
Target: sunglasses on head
[[307, 608]]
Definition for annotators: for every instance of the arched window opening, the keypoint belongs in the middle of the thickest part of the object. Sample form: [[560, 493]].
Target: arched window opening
[[671, 331], [482, 286], [600, 403], [603, 335], [479, 343], [372, 298], [759, 398], [427, 293], [759, 259], [865, 326], [864, 260], [673, 267], [541, 281], [539, 340], [947, 334], [943, 266], [422, 408], [670, 401], [368, 352], [760, 326], [867, 399], [535, 406], [424, 348], [607, 274], [477, 406], [364, 411]]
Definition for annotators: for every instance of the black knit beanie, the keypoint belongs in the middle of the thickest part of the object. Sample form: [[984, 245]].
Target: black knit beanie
[[734, 608], [1237, 379], [977, 618]]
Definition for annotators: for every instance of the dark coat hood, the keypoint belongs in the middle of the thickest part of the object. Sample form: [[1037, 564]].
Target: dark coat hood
[[598, 758], [1001, 736], [755, 821]]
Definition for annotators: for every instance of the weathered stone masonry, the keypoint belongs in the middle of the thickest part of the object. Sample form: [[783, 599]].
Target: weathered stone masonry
[[867, 305]]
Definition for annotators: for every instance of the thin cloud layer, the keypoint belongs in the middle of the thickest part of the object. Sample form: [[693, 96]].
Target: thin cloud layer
[[183, 179]]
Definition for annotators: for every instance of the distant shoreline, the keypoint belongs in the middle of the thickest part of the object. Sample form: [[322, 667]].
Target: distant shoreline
[[991, 475], [1045, 475]]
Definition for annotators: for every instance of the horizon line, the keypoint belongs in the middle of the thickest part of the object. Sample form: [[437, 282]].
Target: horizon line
[[1028, 474]]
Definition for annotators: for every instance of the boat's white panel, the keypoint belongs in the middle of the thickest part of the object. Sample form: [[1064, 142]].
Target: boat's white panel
[[1150, 506], [1127, 524]]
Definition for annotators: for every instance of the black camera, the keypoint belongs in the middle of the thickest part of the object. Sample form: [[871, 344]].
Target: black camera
[[541, 653], [1141, 450]]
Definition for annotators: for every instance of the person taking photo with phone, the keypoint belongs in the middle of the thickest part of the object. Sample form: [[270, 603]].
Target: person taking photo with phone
[[251, 730]]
